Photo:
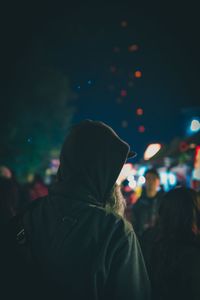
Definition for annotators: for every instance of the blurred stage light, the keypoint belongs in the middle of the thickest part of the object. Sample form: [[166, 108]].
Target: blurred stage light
[[141, 180], [196, 174], [142, 171], [125, 172], [151, 150], [163, 178], [132, 184], [195, 125], [172, 179]]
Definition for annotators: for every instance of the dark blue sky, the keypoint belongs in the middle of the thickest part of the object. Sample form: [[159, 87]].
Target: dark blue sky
[[78, 39]]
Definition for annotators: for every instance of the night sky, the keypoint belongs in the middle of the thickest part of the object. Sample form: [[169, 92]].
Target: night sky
[[89, 44]]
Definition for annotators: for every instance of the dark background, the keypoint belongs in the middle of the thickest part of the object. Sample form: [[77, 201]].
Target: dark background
[[83, 40]]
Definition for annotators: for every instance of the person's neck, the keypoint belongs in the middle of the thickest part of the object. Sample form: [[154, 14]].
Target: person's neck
[[151, 194]]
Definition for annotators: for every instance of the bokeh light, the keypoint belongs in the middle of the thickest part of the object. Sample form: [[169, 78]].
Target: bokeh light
[[123, 93], [151, 150], [195, 125], [138, 74], [124, 24], [133, 48], [139, 111], [141, 128]]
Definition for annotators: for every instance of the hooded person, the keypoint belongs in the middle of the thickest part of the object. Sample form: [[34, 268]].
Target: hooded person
[[83, 247]]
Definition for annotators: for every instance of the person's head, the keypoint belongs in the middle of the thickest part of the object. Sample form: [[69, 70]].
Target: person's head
[[92, 157], [152, 182], [179, 215]]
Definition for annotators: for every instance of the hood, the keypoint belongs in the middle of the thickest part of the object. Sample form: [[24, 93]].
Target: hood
[[91, 159]]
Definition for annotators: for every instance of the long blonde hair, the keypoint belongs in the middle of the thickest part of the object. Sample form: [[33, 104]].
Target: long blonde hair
[[116, 202]]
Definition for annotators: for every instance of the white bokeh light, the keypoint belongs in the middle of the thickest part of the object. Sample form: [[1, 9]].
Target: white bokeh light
[[195, 125], [151, 150], [141, 180]]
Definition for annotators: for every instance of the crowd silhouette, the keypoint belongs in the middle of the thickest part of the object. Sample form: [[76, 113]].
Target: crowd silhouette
[[85, 235]]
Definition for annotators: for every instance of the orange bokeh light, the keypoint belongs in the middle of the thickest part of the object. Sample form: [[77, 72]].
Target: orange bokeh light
[[138, 74]]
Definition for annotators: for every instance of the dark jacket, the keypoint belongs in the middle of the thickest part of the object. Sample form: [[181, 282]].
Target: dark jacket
[[145, 212], [82, 251], [173, 266]]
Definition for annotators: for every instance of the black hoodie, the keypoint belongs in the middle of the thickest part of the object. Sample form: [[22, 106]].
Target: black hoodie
[[82, 251]]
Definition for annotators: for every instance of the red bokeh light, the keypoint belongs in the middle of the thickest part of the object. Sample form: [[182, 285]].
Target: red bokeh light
[[123, 93], [183, 146], [141, 129], [139, 111]]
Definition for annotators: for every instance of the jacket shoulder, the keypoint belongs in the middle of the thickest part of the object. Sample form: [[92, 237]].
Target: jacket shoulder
[[113, 220]]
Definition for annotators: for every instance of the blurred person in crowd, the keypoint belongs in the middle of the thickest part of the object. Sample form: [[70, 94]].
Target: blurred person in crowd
[[172, 248], [145, 211], [195, 184], [81, 244], [9, 196], [37, 188], [130, 197], [198, 195]]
